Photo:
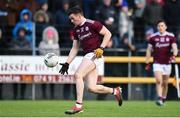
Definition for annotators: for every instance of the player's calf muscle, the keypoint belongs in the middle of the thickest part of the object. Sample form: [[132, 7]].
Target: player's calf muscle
[[92, 89]]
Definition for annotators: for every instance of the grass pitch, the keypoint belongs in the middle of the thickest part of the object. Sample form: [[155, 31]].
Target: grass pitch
[[91, 109]]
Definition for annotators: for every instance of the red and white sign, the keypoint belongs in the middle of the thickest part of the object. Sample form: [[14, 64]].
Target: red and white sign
[[56, 79], [31, 69]]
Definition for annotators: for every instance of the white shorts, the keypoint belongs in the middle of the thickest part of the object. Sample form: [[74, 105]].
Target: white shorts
[[92, 57], [164, 68]]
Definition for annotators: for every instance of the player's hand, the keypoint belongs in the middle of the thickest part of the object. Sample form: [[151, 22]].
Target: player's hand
[[148, 67], [99, 52], [173, 59], [64, 68]]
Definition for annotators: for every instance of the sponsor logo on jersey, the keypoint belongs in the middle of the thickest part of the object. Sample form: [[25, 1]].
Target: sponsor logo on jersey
[[162, 45], [84, 36]]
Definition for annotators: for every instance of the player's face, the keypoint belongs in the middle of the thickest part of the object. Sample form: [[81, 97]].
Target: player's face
[[75, 19], [162, 27]]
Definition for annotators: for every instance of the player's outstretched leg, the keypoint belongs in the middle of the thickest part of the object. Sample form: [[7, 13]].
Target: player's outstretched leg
[[76, 109], [118, 95]]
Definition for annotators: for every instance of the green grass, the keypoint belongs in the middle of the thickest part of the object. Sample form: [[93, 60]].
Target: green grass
[[91, 109]]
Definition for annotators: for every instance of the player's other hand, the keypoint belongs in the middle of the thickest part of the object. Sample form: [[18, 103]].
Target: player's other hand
[[64, 68], [173, 59], [148, 67], [99, 52]]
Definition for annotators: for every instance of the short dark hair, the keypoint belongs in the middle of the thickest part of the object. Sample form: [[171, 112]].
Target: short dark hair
[[75, 10], [161, 20]]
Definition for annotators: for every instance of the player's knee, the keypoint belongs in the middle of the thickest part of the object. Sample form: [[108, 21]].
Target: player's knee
[[91, 89], [77, 75], [158, 81], [164, 83]]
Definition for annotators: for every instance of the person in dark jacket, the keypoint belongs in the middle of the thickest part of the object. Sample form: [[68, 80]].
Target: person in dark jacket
[[108, 16], [26, 23], [171, 15], [63, 24]]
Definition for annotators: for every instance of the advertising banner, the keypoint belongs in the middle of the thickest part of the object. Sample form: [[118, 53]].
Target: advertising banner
[[29, 69]]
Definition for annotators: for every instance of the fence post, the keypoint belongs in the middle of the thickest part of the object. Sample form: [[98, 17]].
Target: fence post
[[33, 53], [130, 35]]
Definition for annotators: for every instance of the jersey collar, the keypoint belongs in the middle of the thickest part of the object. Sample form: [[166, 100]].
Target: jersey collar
[[84, 20], [165, 33]]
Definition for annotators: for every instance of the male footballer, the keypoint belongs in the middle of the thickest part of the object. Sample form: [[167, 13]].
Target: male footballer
[[87, 34], [161, 43]]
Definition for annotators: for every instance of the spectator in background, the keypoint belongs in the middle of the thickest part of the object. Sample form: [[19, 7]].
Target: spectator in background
[[152, 13], [124, 21], [26, 23], [63, 24], [171, 15], [41, 19], [126, 44], [107, 15], [49, 42], [44, 7], [125, 26], [47, 45], [89, 7], [138, 19], [21, 41]]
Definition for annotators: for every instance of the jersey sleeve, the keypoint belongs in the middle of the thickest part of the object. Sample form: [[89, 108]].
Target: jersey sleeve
[[74, 35], [97, 26], [173, 40], [151, 41]]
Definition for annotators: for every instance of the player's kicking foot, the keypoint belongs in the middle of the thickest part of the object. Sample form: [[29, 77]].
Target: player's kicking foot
[[74, 110], [159, 103], [118, 95]]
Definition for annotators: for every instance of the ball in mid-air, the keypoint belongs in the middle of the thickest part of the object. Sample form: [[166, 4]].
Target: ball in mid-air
[[51, 60]]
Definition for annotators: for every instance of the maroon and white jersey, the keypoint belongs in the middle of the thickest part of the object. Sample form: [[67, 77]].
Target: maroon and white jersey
[[88, 35], [162, 44]]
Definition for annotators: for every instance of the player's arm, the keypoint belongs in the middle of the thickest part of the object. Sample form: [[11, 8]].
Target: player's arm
[[106, 36], [175, 52], [148, 56], [148, 53], [72, 55], [73, 52], [174, 49]]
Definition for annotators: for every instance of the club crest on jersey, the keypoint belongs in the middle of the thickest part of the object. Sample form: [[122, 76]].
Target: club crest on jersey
[[86, 28], [167, 39]]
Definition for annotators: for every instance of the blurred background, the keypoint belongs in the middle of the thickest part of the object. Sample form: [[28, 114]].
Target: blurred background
[[36, 27]]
